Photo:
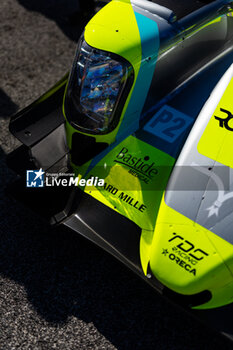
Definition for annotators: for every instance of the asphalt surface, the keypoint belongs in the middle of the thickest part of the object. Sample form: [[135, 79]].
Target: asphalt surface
[[58, 291]]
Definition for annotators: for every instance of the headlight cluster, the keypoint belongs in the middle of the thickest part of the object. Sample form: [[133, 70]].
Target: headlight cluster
[[95, 91]]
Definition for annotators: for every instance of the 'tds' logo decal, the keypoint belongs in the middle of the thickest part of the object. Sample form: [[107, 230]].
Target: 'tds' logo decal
[[224, 122]]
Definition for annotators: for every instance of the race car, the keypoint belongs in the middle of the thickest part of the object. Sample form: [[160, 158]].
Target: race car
[[142, 129]]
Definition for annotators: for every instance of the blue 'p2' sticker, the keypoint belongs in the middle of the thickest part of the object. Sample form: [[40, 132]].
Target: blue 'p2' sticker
[[168, 124]]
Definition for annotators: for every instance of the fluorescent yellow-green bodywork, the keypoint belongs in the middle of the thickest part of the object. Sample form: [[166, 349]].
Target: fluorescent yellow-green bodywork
[[119, 30], [218, 147], [185, 256], [135, 198], [210, 273], [169, 240], [110, 31]]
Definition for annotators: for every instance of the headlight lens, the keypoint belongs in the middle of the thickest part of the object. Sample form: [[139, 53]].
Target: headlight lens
[[93, 101]]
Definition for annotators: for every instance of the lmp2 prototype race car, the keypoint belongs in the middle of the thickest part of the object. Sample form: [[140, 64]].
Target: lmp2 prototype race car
[[144, 123]]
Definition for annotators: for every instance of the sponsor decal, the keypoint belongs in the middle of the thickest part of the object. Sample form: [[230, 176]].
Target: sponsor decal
[[224, 122], [141, 167], [184, 254], [125, 198]]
